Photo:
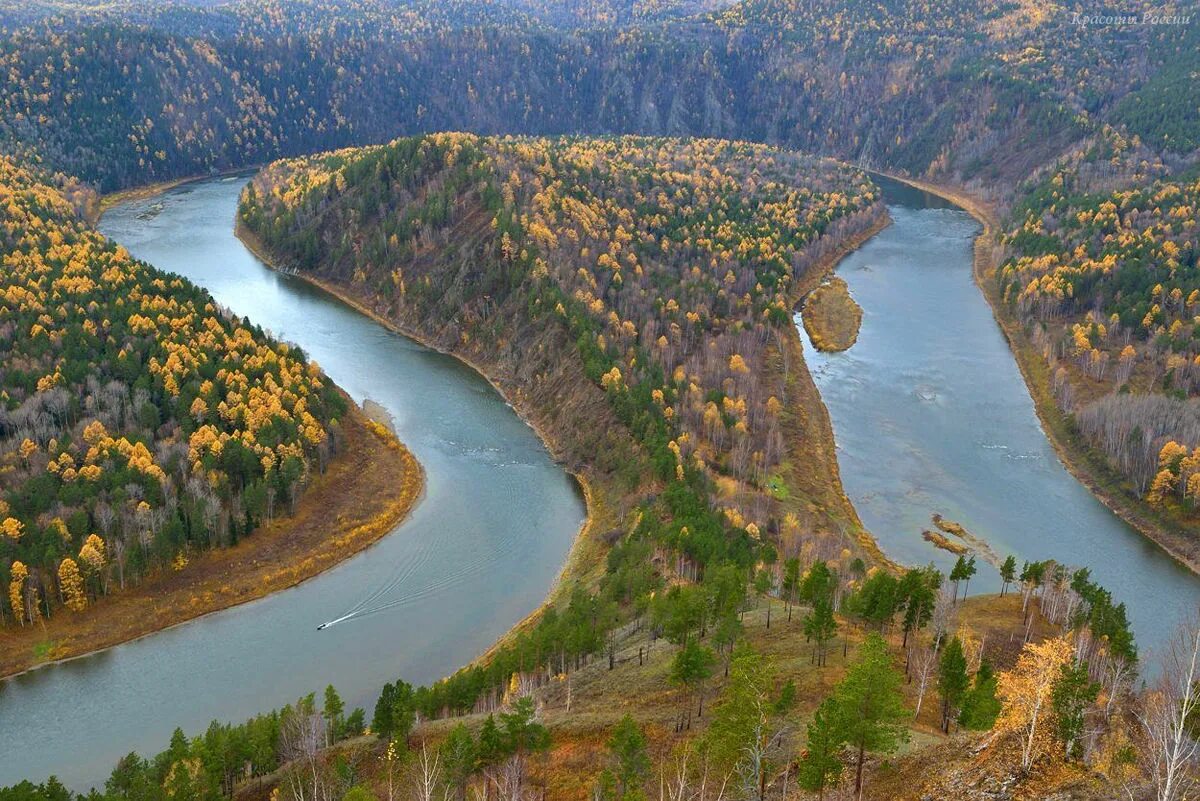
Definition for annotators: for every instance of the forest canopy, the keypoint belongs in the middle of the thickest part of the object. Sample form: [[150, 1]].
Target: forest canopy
[[139, 421]]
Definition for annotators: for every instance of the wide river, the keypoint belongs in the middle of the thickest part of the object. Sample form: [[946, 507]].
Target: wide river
[[931, 415], [929, 411], [479, 552]]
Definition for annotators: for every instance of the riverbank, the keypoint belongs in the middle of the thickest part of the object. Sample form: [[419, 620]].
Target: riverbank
[[366, 490], [1088, 466], [105, 202], [816, 469], [601, 497]]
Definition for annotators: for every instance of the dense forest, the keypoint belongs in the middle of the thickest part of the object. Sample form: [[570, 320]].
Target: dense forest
[[641, 281], [1104, 271], [978, 93], [664, 268], [139, 422]]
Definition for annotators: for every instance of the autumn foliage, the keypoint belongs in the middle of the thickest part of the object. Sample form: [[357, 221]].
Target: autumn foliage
[[138, 420]]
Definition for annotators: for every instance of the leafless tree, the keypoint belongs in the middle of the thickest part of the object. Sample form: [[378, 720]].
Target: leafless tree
[[923, 661], [301, 738], [428, 777], [1171, 747]]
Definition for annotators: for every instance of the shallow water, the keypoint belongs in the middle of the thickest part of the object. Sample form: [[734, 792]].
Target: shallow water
[[479, 552], [931, 415]]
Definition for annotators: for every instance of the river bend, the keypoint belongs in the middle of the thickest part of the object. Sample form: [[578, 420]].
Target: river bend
[[478, 553]]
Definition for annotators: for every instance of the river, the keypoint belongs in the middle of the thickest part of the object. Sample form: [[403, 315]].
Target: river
[[931, 415], [480, 551], [929, 411]]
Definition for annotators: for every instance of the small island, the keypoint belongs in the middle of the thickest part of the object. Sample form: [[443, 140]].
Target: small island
[[832, 317]]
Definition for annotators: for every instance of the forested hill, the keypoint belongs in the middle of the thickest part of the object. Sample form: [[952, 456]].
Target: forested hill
[[139, 422], [983, 92], [637, 293]]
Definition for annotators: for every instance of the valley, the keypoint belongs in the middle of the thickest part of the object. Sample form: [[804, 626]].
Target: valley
[[735, 400]]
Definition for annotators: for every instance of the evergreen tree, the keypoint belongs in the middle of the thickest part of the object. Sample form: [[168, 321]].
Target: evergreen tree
[[820, 763], [523, 735], [918, 594], [690, 668], [395, 711], [764, 582], [460, 758], [1008, 573], [953, 680], [629, 763], [870, 704], [740, 716], [333, 710], [820, 627], [957, 573], [1073, 692], [819, 583], [877, 600], [969, 570], [492, 748], [790, 586], [980, 706]]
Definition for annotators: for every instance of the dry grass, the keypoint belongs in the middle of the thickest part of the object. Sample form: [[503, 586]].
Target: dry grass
[[832, 317], [930, 765]]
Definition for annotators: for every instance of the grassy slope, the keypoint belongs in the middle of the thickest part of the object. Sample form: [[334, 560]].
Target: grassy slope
[[581, 713]]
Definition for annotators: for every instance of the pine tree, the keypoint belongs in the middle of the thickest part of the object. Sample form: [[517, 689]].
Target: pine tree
[[820, 626], [333, 710], [1073, 692], [460, 758], [820, 763], [980, 706], [870, 705], [739, 727], [952, 680], [918, 594], [1008, 573], [692, 665], [629, 761], [491, 742]]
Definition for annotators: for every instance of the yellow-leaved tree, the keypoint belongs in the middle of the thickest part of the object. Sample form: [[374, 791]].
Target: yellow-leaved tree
[[71, 583], [12, 528], [1026, 694], [16, 589]]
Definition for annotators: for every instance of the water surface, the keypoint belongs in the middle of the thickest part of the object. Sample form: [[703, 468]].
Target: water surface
[[479, 552], [931, 414]]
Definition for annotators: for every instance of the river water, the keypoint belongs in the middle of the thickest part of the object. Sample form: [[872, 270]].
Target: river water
[[479, 552], [931, 415], [929, 411]]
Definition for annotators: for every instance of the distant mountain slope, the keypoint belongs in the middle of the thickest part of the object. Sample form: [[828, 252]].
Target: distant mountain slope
[[982, 93]]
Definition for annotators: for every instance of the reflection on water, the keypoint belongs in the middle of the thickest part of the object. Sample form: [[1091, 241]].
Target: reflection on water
[[931, 415], [478, 553]]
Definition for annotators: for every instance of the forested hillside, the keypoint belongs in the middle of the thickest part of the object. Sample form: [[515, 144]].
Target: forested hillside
[[139, 422], [963, 91], [1104, 272], [629, 288], [663, 271]]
